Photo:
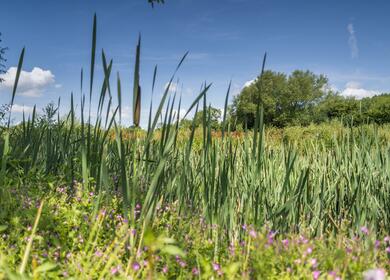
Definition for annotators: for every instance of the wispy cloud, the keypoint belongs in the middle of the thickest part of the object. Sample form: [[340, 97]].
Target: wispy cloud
[[352, 41]]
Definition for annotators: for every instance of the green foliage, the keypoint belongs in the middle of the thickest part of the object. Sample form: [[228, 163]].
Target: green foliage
[[287, 100], [301, 99], [212, 114], [163, 204]]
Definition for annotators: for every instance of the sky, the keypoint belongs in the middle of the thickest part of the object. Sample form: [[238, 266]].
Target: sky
[[347, 40]]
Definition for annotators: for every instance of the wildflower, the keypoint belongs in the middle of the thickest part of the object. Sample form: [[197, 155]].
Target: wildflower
[[98, 253], [316, 274], [377, 244], [182, 264], [114, 270], [309, 250], [165, 269], [289, 270], [285, 242], [216, 266], [364, 230], [195, 271], [244, 227], [252, 233], [374, 274], [386, 239], [313, 263], [388, 250], [136, 266]]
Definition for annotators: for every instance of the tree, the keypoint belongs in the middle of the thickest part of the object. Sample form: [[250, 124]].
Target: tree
[[286, 99], [2, 59], [213, 115]]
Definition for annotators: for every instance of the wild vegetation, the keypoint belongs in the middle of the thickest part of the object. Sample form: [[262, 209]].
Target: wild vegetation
[[87, 200]]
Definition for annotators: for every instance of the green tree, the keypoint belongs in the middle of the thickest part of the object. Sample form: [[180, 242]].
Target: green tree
[[286, 99], [213, 115]]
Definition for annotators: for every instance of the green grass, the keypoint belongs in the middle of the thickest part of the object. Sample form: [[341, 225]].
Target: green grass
[[116, 200]]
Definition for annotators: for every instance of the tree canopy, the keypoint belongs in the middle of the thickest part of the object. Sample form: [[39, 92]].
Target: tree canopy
[[286, 99], [303, 98]]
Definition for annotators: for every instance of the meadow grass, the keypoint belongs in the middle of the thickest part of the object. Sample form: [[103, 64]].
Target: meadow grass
[[171, 203]]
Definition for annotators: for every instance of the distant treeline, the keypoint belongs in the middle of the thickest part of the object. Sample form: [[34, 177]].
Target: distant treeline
[[303, 98]]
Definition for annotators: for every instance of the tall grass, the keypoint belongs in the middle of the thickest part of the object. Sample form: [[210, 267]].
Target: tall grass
[[230, 182]]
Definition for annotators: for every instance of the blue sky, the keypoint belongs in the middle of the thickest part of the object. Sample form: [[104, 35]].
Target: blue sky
[[346, 40]]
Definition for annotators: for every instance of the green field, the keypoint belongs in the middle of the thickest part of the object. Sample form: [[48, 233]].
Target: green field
[[95, 200]]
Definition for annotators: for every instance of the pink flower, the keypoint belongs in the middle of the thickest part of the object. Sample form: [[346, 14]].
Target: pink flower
[[364, 230], [165, 269], [114, 270], [313, 263], [98, 253], [195, 271], [309, 250], [285, 242], [216, 266], [316, 274], [136, 266], [252, 233]]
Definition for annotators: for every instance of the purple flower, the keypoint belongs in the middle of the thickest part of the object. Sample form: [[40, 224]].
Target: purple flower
[[388, 250], [182, 264], [195, 271], [252, 233], [386, 239], [136, 266], [285, 242], [309, 250]]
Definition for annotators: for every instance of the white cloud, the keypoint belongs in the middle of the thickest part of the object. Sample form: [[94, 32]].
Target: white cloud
[[352, 41], [16, 108], [354, 89], [58, 86], [249, 83], [31, 84]]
